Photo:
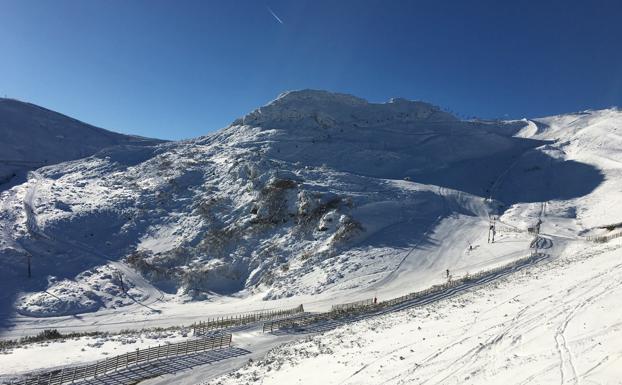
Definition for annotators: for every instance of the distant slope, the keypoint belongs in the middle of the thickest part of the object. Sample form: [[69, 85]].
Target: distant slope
[[33, 136]]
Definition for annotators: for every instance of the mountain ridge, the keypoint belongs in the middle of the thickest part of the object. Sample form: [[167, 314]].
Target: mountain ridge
[[299, 200], [34, 136]]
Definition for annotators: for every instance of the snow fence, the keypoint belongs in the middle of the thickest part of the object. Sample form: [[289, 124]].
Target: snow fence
[[603, 238], [204, 327], [123, 361]]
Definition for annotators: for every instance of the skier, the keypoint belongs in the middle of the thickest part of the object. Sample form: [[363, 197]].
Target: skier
[[447, 273]]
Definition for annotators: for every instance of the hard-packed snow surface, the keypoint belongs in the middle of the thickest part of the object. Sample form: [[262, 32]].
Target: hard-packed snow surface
[[316, 198]]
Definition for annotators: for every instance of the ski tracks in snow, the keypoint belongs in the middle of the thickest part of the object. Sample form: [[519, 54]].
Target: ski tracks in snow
[[567, 369], [529, 318]]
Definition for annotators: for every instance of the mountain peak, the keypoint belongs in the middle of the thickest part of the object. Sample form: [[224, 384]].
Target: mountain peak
[[318, 108], [310, 96]]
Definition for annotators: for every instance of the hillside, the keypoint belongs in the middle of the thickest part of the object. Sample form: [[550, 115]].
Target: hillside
[[314, 197], [33, 137]]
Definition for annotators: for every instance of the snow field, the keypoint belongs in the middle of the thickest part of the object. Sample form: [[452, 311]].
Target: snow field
[[548, 324]]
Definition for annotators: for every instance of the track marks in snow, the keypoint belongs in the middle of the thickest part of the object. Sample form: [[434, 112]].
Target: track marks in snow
[[567, 369], [389, 276], [514, 339]]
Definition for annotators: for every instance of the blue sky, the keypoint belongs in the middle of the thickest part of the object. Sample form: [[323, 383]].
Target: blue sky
[[180, 69]]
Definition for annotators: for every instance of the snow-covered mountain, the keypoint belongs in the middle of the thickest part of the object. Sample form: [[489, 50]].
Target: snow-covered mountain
[[33, 136], [314, 195]]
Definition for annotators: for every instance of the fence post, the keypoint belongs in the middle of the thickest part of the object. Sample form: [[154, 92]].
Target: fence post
[[50, 379], [96, 367], [62, 373], [73, 377]]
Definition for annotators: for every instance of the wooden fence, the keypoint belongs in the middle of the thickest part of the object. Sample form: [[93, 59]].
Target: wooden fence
[[603, 238], [466, 278], [353, 305], [271, 326], [202, 328], [82, 372], [308, 319]]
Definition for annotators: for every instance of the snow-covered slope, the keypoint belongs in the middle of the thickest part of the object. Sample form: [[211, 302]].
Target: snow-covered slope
[[557, 323], [591, 138], [33, 136], [312, 197]]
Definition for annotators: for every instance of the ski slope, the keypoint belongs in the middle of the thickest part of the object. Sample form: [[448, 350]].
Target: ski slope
[[316, 198], [555, 323]]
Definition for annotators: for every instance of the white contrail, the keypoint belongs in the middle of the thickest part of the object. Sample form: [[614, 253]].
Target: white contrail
[[274, 14]]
